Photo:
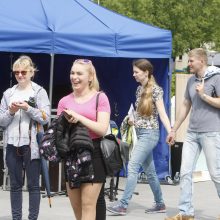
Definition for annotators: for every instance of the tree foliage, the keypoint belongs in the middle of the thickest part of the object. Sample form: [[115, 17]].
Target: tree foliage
[[193, 23]]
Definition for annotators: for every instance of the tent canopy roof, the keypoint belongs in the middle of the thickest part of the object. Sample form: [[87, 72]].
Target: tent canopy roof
[[78, 27]]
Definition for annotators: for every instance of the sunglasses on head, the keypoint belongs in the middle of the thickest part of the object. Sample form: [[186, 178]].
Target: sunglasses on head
[[84, 61], [23, 72]]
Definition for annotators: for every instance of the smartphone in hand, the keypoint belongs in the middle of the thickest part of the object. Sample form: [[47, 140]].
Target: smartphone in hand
[[66, 115]]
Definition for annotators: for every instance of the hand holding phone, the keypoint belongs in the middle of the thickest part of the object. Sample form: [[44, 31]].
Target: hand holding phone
[[21, 105], [71, 116], [13, 108], [66, 115]]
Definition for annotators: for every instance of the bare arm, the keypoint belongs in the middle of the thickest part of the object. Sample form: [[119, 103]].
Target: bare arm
[[213, 101], [100, 126], [163, 115], [182, 114]]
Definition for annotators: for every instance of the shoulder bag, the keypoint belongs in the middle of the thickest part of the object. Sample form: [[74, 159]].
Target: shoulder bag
[[110, 151]]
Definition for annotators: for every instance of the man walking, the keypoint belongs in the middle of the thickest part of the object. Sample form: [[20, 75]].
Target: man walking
[[202, 96]]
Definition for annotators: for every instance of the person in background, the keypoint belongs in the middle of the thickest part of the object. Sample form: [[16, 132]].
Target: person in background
[[80, 106], [23, 106], [149, 104], [202, 96]]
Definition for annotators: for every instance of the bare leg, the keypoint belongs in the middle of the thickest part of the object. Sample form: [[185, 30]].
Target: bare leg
[[90, 193], [75, 200], [101, 205]]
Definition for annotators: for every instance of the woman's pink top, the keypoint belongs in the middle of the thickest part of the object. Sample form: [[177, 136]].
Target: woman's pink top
[[87, 109]]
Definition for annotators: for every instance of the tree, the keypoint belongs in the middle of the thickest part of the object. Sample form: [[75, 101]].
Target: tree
[[193, 23]]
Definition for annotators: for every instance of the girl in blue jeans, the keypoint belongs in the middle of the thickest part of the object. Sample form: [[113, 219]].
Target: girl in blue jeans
[[23, 107], [149, 104]]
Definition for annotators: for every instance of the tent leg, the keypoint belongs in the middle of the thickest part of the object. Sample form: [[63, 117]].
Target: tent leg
[[51, 79]]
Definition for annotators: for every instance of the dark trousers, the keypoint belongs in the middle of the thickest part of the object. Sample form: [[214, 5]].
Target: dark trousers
[[101, 206], [17, 159]]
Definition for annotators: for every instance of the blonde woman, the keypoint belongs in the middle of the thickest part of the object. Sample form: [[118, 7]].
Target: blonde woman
[[80, 106], [149, 104], [21, 107]]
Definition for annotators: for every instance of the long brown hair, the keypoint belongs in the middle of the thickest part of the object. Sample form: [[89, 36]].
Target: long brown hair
[[145, 105]]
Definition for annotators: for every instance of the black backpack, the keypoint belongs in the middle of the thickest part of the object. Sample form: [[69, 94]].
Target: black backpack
[[47, 143]]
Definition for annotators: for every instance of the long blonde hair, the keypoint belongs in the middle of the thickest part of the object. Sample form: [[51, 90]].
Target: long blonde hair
[[145, 105], [94, 83]]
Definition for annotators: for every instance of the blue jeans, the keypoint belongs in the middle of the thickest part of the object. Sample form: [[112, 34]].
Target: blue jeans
[[16, 160], [194, 143], [142, 156]]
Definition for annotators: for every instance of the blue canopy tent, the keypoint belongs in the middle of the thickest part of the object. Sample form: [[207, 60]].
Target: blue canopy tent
[[83, 28]]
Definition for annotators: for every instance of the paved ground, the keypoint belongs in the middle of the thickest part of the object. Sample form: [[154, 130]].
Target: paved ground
[[207, 204]]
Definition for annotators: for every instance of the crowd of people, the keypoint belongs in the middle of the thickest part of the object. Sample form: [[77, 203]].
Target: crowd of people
[[25, 108]]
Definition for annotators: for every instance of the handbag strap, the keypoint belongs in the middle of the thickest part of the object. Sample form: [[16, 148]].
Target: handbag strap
[[97, 103]]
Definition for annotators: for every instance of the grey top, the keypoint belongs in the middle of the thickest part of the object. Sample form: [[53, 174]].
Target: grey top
[[204, 117], [42, 101]]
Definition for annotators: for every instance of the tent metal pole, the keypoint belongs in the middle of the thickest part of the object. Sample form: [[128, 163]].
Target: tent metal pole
[[171, 68], [170, 71], [51, 78]]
